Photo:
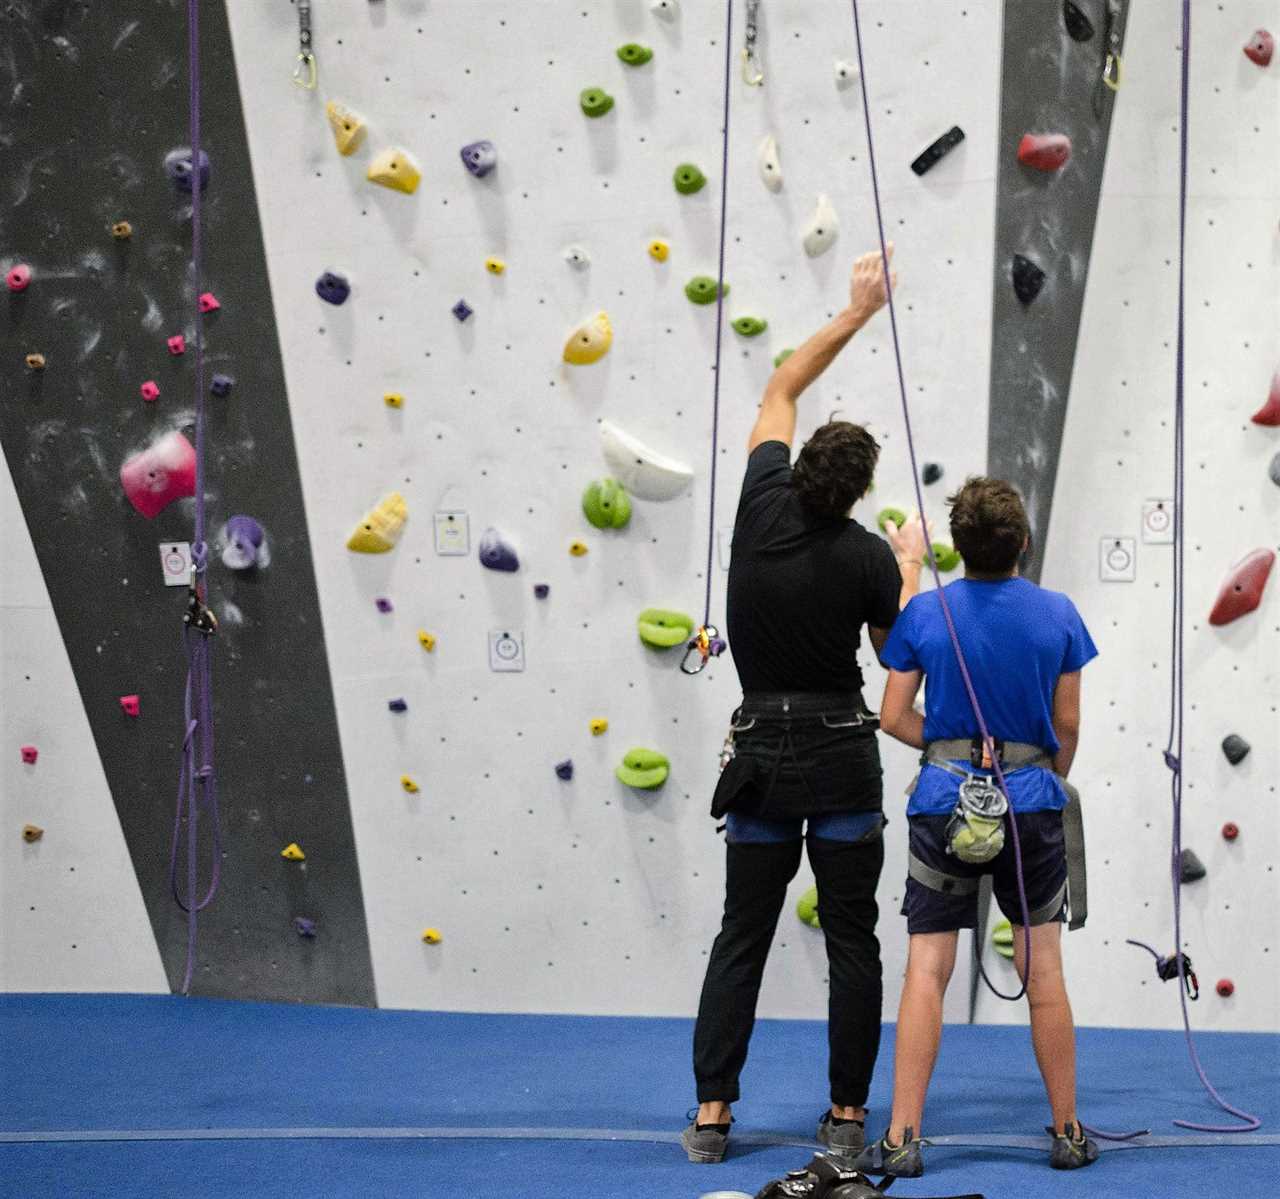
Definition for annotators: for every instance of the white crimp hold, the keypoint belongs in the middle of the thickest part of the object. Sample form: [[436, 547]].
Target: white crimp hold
[[668, 10], [846, 72], [644, 472], [823, 228], [770, 166], [576, 256]]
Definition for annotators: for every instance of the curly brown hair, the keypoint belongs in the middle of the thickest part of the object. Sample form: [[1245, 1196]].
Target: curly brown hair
[[989, 525], [834, 469]]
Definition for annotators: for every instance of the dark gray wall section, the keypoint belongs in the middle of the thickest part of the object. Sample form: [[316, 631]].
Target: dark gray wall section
[[92, 96], [1047, 86]]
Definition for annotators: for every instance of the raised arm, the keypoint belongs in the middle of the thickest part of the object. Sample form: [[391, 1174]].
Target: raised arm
[[867, 295]]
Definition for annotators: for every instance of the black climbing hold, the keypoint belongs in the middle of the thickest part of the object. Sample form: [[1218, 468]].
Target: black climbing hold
[[931, 473], [1236, 748], [541, 590], [1078, 25], [930, 158], [397, 705], [564, 770], [1028, 278], [1192, 868]]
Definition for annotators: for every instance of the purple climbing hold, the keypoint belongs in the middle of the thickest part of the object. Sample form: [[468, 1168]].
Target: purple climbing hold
[[333, 288], [382, 604], [244, 543], [398, 705], [462, 310], [541, 590], [496, 554], [221, 385], [177, 165], [304, 926], [564, 770], [479, 158]]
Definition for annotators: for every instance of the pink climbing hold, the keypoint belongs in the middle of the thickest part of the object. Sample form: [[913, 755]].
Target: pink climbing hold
[[131, 705], [18, 277], [177, 344], [150, 390], [1242, 592], [208, 302], [1260, 47], [30, 754], [1269, 413], [165, 471], [1044, 151]]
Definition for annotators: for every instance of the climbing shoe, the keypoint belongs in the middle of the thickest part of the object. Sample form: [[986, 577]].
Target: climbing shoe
[[897, 1161], [705, 1143], [1071, 1148], [845, 1138]]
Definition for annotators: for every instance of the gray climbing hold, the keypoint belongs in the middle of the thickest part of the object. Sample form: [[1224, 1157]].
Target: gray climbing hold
[[931, 473], [496, 554], [479, 158], [1274, 470], [1192, 868], [701, 289], [1236, 748]]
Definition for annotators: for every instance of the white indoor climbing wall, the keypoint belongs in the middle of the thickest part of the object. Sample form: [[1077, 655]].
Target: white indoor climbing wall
[[585, 896], [1117, 454], [71, 913]]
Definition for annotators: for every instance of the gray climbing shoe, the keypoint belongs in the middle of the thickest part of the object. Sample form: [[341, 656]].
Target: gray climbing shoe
[[844, 1140], [705, 1143], [897, 1161], [1070, 1151]]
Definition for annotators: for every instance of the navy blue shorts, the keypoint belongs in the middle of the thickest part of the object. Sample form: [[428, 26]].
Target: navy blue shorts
[[1044, 870]]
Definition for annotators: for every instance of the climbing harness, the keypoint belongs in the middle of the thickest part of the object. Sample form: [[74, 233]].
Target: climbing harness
[[706, 643], [752, 68], [304, 71], [197, 782], [1171, 966], [1112, 75]]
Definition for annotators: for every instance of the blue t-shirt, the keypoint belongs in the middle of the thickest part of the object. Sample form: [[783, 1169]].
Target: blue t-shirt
[[1017, 640]]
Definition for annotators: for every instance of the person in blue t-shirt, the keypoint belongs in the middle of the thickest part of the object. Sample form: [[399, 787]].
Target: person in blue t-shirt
[[1025, 648]]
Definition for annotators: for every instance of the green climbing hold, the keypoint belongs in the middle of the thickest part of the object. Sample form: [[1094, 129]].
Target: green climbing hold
[[595, 101], [1002, 939], [663, 629], [749, 326], [606, 504], [886, 515], [946, 556], [807, 908], [782, 356], [701, 289], [644, 769], [688, 179], [634, 54]]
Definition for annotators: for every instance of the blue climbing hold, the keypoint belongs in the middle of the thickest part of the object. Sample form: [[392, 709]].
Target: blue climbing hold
[[333, 288], [564, 770], [304, 926], [479, 158], [462, 310], [221, 385], [178, 166], [496, 554], [398, 705]]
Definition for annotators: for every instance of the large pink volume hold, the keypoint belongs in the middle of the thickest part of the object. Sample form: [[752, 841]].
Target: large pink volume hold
[[165, 471]]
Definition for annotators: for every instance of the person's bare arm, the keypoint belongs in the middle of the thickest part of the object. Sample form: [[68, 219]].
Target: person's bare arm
[[898, 716], [777, 419], [1066, 720]]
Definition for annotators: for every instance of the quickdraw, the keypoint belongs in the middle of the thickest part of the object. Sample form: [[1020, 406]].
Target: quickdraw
[[706, 643], [752, 69], [1112, 63], [304, 72], [1167, 967]]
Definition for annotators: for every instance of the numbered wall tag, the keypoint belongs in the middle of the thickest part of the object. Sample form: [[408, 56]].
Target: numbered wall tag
[[175, 563], [453, 533], [1118, 559], [1157, 522], [506, 651]]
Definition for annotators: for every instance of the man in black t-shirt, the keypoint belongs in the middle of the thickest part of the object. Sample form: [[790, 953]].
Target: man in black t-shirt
[[803, 581]]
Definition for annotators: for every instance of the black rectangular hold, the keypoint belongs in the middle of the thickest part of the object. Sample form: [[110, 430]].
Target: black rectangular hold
[[940, 149]]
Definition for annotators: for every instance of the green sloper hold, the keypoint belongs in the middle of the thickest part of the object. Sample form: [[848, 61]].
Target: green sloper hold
[[595, 101], [688, 179], [946, 556], [701, 289], [1002, 939], [634, 54], [663, 629], [886, 515], [644, 769], [749, 326], [807, 908], [606, 504], [782, 356]]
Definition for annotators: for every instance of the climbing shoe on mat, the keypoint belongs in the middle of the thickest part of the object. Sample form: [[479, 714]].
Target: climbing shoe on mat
[[897, 1161], [705, 1143], [1071, 1150], [845, 1138]]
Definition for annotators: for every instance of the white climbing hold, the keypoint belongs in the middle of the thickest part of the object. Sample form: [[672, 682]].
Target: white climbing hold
[[821, 231], [846, 73], [576, 256], [770, 166], [644, 472], [668, 10]]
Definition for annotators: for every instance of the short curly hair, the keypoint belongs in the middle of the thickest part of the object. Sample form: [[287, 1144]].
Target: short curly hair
[[834, 468], [989, 525]]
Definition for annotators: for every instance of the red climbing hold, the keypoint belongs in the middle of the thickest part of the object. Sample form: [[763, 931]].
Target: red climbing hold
[[208, 302], [1230, 831], [1269, 413], [165, 471], [1242, 592], [30, 754], [18, 277], [1226, 987], [177, 344], [1260, 47], [1044, 151], [131, 705]]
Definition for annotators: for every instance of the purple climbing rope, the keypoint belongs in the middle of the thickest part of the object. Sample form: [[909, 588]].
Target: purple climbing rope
[[1174, 747], [197, 782]]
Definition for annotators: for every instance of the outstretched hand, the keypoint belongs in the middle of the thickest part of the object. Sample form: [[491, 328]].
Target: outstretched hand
[[911, 542], [867, 291]]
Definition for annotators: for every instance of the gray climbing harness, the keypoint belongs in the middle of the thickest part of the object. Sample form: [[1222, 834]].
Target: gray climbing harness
[[752, 68]]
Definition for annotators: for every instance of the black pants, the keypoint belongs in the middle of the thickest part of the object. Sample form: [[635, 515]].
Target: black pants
[[756, 886]]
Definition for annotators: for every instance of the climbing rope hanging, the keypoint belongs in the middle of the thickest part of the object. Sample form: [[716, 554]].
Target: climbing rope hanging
[[197, 782]]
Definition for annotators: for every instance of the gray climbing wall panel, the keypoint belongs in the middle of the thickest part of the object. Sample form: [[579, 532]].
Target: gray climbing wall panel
[[93, 98], [1049, 84]]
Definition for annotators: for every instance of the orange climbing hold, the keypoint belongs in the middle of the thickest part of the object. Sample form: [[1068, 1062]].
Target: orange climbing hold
[[1242, 591], [1044, 151], [1269, 413], [32, 832]]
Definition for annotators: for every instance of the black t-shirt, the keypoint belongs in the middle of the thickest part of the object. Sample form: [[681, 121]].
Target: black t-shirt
[[801, 589]]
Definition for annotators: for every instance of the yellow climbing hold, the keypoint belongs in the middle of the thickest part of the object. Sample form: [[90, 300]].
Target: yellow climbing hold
[[381, 527], [426, 640], [495, 266], [432, 936], [393, 399], [407, 782], [577, 548], [348, 127], [659, 249], [598, 726], [32, 832], [590, 341], [395, 169], [293, 852]]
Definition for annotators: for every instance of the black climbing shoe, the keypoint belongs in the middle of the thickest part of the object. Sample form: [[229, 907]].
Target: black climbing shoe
[[901, 1161], [1071, 1152], [845, 1138], [705, 1143]]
